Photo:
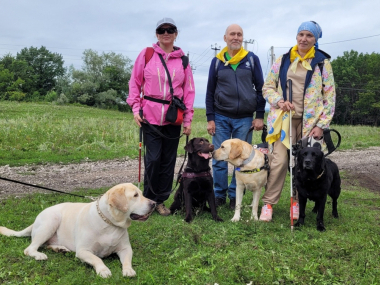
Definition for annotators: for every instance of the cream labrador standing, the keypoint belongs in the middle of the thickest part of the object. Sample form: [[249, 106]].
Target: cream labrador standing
[[93, 230], [251, 171]]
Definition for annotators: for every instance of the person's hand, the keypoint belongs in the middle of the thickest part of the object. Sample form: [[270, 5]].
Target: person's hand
[[258, 124], [187, 130], [285, 106], [316, 133], [211, 127], [138, 119]]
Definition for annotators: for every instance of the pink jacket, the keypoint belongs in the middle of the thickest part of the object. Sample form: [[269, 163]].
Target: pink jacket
[[156, 85]]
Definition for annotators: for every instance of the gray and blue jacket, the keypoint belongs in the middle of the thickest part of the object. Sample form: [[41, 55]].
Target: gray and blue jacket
[[235, 94]]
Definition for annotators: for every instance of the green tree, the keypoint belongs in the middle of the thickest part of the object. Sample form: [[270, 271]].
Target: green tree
[[357, 78], [40, 69], [102, 81]]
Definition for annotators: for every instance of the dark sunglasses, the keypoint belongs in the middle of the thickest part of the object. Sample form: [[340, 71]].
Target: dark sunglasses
[[162, 31]]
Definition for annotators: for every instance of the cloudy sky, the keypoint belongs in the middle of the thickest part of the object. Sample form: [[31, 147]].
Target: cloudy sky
[[69, 27]]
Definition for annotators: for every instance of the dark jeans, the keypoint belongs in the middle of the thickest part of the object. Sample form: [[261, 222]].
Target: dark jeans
[[159, 160]]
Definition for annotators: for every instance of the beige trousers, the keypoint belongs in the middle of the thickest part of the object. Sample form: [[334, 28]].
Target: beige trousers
[[279, 166]]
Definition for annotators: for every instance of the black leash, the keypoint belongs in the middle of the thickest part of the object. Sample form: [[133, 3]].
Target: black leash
[[46, 188], [158, 132], [263, 135]]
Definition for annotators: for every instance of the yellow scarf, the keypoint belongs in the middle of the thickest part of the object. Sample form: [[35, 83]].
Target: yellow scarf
[[295, 58], [235, 59]]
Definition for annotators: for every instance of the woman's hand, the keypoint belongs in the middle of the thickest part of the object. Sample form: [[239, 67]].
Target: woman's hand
[[187, 130], [316, 133], [285, 106], [138, 119]]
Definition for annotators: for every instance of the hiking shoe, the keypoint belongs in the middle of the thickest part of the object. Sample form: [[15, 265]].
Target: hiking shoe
[[266, 213], [232, 203], [296, 210], [220, 202], [162, 210]]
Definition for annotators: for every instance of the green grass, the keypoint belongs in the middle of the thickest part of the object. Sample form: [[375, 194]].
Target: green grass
[[166, 249], [169, 251], [47, 133]]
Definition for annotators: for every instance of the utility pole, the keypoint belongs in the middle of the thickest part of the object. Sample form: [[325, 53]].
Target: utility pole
[[215, 48], [191, 65], [272, 59], [247, 42]]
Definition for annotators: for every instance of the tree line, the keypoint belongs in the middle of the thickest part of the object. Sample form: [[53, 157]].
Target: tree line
[[36, 74]]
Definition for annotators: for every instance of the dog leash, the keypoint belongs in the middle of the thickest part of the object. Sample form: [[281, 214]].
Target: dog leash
[[46, 188]]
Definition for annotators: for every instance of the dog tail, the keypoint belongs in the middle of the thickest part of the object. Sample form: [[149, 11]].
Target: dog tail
[[11, 233]]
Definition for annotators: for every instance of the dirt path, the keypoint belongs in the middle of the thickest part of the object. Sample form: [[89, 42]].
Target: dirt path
[[361, 165]]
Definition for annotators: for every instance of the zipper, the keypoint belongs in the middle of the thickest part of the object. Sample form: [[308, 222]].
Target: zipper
[[159, 78], [191, 87], [173, 75], [163, 106], [237, 90]]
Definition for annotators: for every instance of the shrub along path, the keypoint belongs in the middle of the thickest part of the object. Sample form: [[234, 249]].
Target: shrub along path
[[362, 168]]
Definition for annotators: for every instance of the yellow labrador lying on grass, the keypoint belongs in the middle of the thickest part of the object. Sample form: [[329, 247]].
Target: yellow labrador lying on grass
[[251, 171], [93, 230]]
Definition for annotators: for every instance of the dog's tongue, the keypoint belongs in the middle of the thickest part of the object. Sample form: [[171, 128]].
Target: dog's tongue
[[204, 155]]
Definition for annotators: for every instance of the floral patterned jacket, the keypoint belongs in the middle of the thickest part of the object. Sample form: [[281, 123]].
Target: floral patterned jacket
[[319, 95]]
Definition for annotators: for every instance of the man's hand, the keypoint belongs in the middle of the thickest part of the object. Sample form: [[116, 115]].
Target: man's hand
[[211, 127], [258, 124], [187, 130]]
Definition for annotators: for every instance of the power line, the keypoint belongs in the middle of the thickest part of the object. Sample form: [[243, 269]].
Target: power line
[[342, 41]]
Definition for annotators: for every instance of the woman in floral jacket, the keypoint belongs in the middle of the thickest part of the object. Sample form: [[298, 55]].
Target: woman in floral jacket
[[313, 103]]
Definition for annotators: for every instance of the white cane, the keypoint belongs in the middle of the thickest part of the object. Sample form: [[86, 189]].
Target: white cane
[[291, 155]]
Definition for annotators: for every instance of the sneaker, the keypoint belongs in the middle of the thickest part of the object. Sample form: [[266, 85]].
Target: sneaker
[[232, 203], [266, 213], [296, 210], [220, 202], [162, 210]]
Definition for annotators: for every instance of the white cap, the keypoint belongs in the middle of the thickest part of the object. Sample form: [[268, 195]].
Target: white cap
[[163, 21]]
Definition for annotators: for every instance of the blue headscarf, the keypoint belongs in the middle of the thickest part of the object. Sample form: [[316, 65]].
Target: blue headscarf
[[313, 28]]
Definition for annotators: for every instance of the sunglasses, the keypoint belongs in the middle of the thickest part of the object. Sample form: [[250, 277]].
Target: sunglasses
[[162, 31]]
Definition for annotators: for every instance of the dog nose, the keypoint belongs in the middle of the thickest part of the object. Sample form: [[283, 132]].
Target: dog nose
[[211, 147]]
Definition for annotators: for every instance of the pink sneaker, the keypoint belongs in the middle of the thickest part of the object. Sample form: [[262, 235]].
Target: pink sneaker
[[296, 210], [266, 213]]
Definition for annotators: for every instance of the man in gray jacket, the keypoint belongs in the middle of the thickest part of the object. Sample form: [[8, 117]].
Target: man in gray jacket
[[233, 95]]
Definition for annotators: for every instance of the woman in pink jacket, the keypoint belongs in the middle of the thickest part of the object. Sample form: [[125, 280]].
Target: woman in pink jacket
[[149, 91]]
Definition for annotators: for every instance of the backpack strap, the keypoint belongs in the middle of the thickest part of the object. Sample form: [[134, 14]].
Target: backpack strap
[[149, 54]]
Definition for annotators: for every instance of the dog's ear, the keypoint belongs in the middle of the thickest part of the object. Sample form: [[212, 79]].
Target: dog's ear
[[317, 145], [189, 146], [117, 199], [236, 150]]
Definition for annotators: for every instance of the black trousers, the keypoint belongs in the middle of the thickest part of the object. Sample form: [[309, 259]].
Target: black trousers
[[159, 160]]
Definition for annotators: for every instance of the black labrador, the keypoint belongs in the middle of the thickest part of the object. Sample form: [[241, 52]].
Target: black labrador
[[196, 184], [315, 177]]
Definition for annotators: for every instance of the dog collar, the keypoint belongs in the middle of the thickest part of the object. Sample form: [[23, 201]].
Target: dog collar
[[248, 160], [104, 218], [255, 170], [320, 175], [196, 174]]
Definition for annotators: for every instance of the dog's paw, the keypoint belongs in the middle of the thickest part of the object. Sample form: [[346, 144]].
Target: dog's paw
[[335, 215], [129, 272], [298, 225], [321, 227], [103, 271], [188, 220], [235, 219], [218, 219], [36, 254], [315, 210]]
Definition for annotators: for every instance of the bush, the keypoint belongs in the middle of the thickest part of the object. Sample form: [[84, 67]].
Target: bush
[[51, 96], [62, 100]]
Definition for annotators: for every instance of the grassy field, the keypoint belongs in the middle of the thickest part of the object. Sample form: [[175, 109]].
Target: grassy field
[[166, 249], [42, 133]]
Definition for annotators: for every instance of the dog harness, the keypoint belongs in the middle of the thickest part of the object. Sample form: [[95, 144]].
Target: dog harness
[[196, 174], [255, 170]]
